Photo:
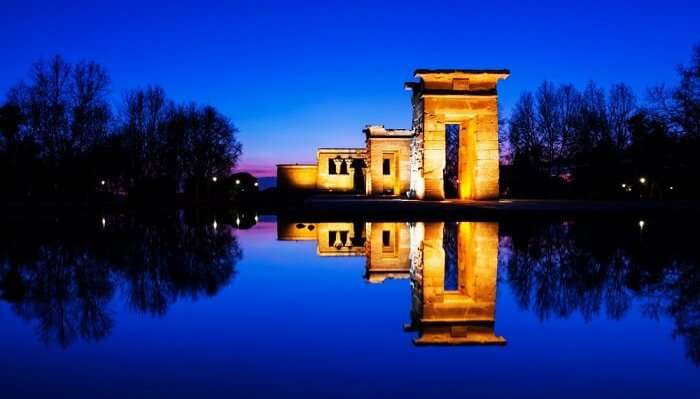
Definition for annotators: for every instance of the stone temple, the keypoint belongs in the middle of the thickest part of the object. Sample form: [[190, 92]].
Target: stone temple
[[451, 151], [452, 268]]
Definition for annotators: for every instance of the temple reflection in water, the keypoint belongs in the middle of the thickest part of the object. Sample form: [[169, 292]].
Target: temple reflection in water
[[452, 269]]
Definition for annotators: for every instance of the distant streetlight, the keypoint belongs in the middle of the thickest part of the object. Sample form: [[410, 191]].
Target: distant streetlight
[[214, 179], [104, 222], [215, 225], [255, 184], [624, 185], [102, 182], [238, 221], [238, 181], [641, 224], [671, 188], [643, 180]]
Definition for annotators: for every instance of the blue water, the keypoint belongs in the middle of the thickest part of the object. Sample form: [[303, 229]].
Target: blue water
[[290, 323]]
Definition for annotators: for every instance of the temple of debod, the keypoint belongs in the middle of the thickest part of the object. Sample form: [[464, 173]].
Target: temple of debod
[[451, 150], [452, 268]]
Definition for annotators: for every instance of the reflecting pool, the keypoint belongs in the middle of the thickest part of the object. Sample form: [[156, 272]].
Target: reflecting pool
[[240, 304]]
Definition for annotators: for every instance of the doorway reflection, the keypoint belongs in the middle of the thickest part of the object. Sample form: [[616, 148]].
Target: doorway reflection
[[452, 268]]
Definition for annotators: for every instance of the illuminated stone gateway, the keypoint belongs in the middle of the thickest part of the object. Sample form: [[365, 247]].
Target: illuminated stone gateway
[[450, 152], [452, 268]]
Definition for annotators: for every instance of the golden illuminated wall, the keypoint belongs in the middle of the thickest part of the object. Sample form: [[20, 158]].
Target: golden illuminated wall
[[388, 251], [394, 146], [296, 177], [461, 312], [339, 239], [467, 99], [465, 315], [332, 238], [296, 231], [337, 182]]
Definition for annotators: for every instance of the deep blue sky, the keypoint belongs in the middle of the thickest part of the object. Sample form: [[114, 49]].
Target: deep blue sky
[[299, 75]]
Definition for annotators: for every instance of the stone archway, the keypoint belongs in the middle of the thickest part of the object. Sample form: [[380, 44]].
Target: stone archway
[[466, 98]]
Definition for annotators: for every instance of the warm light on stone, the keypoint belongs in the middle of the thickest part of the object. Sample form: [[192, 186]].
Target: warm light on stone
[[345, 161], [388, 251], [441, 315], [465, 315], [400, 161], [467, 99], [298, 177]]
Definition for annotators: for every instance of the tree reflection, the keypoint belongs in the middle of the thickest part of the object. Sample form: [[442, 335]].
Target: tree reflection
[[602, 266], [61, 276]]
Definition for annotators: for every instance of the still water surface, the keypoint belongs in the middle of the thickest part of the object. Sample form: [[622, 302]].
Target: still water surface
[[238, 305]]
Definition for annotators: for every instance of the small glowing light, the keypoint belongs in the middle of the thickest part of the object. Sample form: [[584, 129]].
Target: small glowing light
[[104, 222], [624, 185], [214, 179], [238, 221], [255, 184], [642, 180], [102, 182], [641, 224], [215, 225], [238, 181], [671, 188], [256, 218]]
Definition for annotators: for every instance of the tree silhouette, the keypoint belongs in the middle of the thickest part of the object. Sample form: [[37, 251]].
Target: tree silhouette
[[60, 138], [594, 267], [63, 279], [570, 143]]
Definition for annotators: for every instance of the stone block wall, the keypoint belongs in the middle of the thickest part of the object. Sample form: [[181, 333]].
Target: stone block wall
[[325, 181], [469, 100], [395, 257], [296, 177], [401, 148], [477, 254]]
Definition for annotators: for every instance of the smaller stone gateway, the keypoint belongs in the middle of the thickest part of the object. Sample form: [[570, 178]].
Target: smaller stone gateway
[[451, 151]]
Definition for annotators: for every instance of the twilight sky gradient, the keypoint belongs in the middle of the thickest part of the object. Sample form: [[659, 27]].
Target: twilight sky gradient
[[295, 76]]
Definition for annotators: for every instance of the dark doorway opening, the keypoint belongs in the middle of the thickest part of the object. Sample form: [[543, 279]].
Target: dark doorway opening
[[358, 178], [449, 245], [451, 171]]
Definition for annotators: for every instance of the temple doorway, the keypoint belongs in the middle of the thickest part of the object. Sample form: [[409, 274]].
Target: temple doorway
[[451, 171], [358, 179], [389, 173]]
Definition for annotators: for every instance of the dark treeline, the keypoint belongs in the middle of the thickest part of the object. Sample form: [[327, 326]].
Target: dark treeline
[[597, 267], [566, 142], [61, 138], [64, 276]]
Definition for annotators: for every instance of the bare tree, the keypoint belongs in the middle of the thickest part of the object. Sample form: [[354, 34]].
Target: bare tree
[[621, 105], [524, 137], [687, 97], [594, 127], [570, 114], [65, 107], [45, 102], [145, 113], [548, 122], [215, 150], [90, 111]]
